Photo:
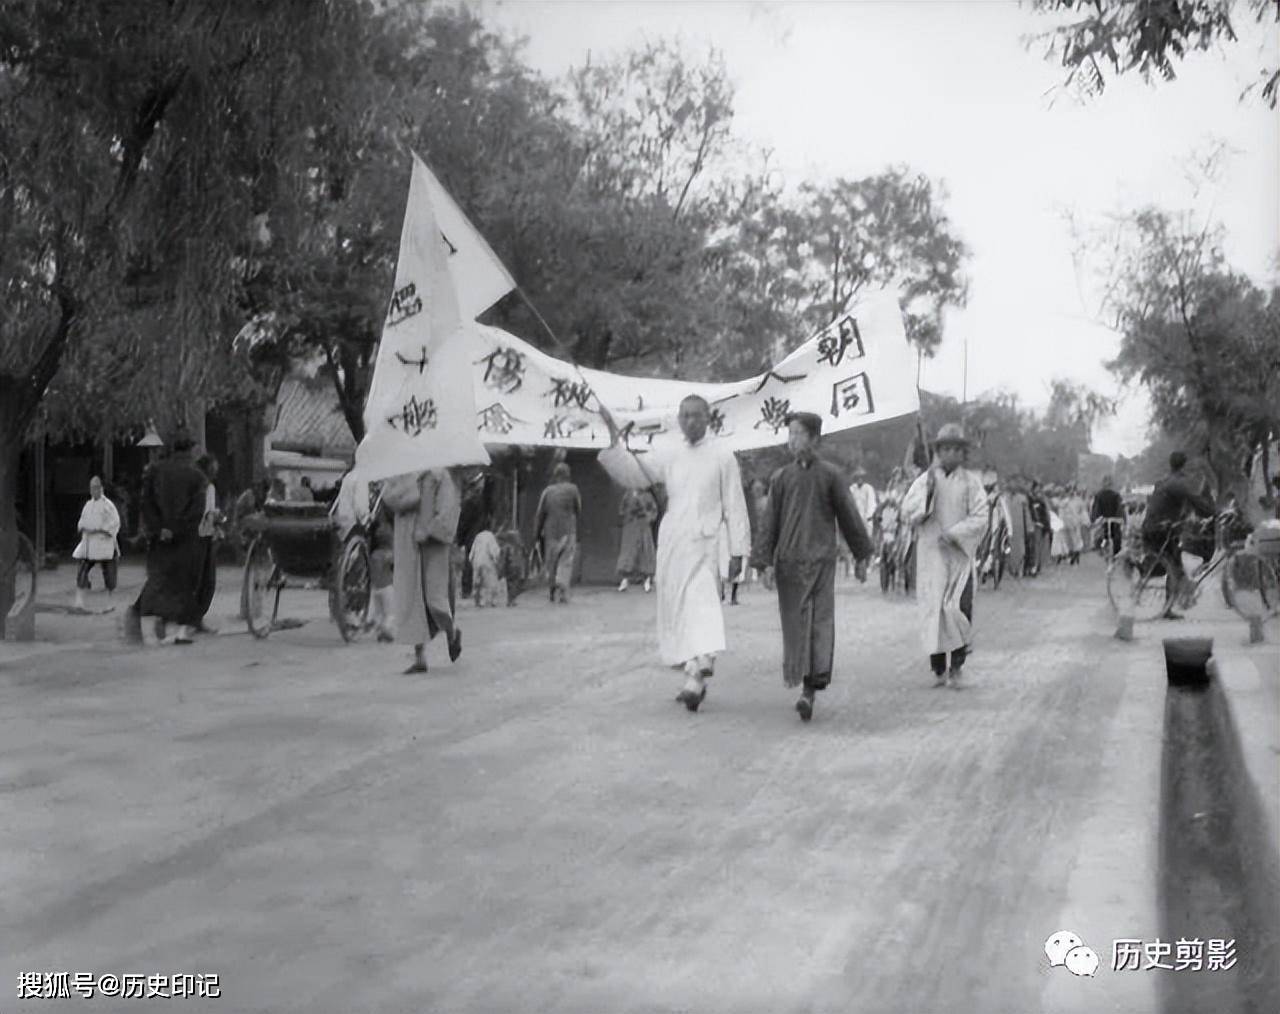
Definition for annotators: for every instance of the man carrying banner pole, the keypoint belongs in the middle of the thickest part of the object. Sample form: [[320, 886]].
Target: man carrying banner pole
[[703, 488], [948, 507]]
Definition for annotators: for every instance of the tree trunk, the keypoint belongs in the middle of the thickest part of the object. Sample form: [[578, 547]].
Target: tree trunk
[[10, 449]]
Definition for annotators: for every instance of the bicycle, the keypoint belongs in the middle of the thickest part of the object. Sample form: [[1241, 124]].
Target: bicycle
[[993, 554], [1141, 575]]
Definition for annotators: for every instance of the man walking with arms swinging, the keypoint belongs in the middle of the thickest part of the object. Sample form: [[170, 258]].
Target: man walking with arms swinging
[[703, 488], [796, 549]]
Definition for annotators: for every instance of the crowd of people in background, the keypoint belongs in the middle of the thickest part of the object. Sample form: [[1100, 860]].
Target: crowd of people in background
[[928, 531]]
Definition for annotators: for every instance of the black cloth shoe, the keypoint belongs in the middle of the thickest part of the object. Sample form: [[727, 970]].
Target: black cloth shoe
[[455, 645], [804, 706], [415, 668], [691, 700]]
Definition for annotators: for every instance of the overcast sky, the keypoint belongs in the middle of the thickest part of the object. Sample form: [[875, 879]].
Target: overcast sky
[[950, 88]]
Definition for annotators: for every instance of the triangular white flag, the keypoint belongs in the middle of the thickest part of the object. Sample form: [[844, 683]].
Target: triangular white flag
[[479, 277], [421, 409]]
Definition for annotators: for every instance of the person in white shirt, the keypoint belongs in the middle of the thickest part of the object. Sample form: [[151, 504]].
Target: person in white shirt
[[864, 495], [703, 489], [98, 526]]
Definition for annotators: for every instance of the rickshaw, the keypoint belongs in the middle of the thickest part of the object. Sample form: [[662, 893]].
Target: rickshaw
[[299, 545]]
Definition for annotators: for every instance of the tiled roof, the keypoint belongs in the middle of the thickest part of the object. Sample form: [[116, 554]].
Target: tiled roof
[[308, 414]]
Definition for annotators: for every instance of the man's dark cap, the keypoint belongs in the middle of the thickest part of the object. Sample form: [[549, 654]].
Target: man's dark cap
[[809, 420]]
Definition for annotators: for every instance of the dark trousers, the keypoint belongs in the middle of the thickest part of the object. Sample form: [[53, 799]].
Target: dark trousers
[[109, 569], [938, 662], [208, 579]]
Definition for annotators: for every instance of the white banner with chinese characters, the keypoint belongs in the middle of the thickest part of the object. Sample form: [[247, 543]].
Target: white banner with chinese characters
[[421, 409], [857, 371]]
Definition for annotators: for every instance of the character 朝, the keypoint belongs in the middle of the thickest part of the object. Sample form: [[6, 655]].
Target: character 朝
[[405, 303], [504, 370], [416, 417], [833, 347], [852, 396], [774, 413]]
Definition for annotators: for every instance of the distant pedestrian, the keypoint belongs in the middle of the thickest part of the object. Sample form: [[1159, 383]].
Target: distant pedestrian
[[556, 527], [636, 556], [99, 526], [485, 556], [948, 507], [1108, 508], [211, 531], [173, 505], [512, 567], [809, 508]]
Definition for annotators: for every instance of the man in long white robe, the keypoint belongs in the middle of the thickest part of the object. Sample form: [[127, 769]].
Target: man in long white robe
[[703, 489], [948, 507]]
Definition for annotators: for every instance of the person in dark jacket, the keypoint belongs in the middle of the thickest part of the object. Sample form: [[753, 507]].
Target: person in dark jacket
[[796, 549], [1108, 506], [172, 505], [1171, 501]]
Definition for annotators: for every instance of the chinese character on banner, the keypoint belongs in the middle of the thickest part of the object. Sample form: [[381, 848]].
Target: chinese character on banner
[[562, 427], [1156, 950], [504, 370], [568, 394], [405, 303], [1190, 955], [774, 413], [496, 419], [1126, 955], [648, 431], [716, 422], [852, 396], [1221, 954], [420, 363], [832, 348], [415, 417]]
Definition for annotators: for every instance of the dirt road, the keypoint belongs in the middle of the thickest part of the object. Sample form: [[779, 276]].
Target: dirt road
[[541, 828]]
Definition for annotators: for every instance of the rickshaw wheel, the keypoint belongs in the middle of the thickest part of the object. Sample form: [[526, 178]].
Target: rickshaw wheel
[[352, 589], [260, 579]]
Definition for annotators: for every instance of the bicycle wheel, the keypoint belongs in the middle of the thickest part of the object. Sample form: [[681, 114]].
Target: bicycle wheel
[[259, 581], [349, 599], [1141, 583], [1251, 586]]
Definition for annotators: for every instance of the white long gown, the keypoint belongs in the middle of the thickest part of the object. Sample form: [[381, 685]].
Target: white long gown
[[704, 489], [959, 509]]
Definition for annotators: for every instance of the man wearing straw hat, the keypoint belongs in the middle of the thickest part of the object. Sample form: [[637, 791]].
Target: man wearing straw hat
[[796, 549], [948, 507]]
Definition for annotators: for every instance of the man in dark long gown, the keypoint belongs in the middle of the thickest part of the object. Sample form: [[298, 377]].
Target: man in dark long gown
[[173, 504], [796, 549]]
